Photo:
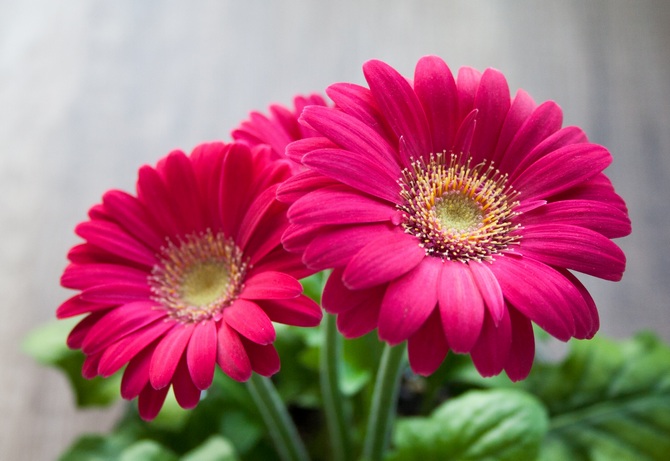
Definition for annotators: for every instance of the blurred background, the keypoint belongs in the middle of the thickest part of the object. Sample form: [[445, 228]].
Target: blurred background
[[91, 90]]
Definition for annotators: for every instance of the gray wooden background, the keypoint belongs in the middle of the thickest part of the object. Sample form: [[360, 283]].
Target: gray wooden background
[[90, 90]]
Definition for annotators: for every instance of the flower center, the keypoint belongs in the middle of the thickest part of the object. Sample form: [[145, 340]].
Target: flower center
[[458, 211], [198, 277]]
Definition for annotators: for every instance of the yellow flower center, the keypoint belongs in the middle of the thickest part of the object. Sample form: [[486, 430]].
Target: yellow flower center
[[458, 211], [198, 277]]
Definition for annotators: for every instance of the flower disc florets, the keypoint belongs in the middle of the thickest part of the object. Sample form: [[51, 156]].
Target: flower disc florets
[[196, 279], [458, 211]]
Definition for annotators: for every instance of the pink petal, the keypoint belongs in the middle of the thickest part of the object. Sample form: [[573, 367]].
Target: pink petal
[[118, 293], [236, 181], [183, 189], [82, 276], [121, 352], [408, 301], [585, 314], [606, 219], [296, 237], [249, 320], [461, 306], [522, 352], [300, 311], [543, 122], [268, 233], [561, 138], [490, 290], [76, 306], [151, 401], [154, 196], [400, 106], [492, 101], [118, 323], [231, 355], [538, 292], [271, 285], [521, 108], [360, 320], [300, 184], [428, 347], [136, 374], [465, 133], [264, 358], [297, 149], [436, 89], [185, 391], [335, 248], [362, 172], [574, 247], [255, 214], [78, 334], [491, 351], [338, 205], [201, 354], [167, 355], [113, 239], [337, 298], [560, 170], [358, 102], [129, 212], [467, 83], [89, 369], [599, 188], [351, 135], [391, 256]]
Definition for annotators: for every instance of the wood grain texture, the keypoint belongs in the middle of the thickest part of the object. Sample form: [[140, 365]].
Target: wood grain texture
[[90, 90]]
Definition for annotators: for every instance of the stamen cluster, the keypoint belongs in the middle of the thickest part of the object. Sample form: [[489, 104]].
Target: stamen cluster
[[198, 277], [458, 211]]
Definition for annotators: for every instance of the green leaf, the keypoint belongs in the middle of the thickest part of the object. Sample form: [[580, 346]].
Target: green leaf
[[500, 424], [147, 450], [96, 448], [47, 345], [216, 448], [607, 401]]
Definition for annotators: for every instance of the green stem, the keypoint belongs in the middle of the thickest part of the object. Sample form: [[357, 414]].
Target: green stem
[[384, 402], [333, 400], [282, 430]]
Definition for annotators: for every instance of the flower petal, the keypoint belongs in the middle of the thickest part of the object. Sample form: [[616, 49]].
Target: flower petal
[[522, 352], [264, 358], [113, 239], [338, 205], [249, 320], [390, 256], [271, 285], [82, 276], [136, 375], [300, 311], [435, 87], [231, 355], [186, 392], [538, 292], [337, 298], [408, 301], [492, 101], [335, 248], [401, 108], [490, 290], [491, 352], [151, 401], [461, 306], [167, 355], [201, 354], [428, 347], [574, 247]]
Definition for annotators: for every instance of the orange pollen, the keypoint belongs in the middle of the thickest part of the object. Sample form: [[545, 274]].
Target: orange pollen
[[456, 210], [198, 277]]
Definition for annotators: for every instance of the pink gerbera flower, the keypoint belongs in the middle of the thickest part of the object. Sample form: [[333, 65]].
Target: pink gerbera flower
[[188, 274], [452, 215], [278, 129]]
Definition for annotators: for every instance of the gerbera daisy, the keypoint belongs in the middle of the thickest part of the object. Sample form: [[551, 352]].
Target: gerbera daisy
[[279, 128], [452, 215], [188, 274]]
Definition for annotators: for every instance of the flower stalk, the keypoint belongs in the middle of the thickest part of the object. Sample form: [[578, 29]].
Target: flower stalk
[[333, 400], [383, 407], [282, 430]]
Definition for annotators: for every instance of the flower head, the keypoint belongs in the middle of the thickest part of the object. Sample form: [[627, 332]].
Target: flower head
[[452, 215], [187, 274]]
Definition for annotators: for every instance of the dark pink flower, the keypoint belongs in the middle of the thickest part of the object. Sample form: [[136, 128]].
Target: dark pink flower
[[278, 129], [452, 215], [187, 274]]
